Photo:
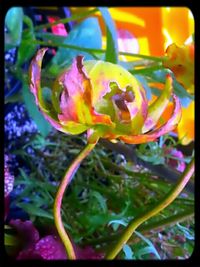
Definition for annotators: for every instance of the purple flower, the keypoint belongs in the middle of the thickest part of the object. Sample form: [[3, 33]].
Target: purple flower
[[48, 247], [8, 185], [8, 178]]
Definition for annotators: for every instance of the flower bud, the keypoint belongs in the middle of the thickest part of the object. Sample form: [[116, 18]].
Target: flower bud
[[103, 99], [180, 60]]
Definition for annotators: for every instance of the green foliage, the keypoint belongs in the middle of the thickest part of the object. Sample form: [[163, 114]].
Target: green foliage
[[105, 194], [148, 249], [151, 152], [187, 232], [128, 253], [14, 23], [26, 48], [111, 36]]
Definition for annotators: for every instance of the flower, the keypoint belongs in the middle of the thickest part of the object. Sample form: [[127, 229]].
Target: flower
[[104, 99], [8, 185], [180, 60], [178, 163], [8, 177], [48, 247]]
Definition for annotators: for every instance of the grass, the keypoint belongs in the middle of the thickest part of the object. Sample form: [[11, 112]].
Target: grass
[[106, 188]]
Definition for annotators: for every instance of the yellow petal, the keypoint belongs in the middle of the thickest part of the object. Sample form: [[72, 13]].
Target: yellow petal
[[185, 128]]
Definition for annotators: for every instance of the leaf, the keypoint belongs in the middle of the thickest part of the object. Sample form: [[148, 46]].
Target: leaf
[[94, 222], [128, 252], [187, 233], [14, 23], [117, 223], [31, 209], [144, 251], [43, 126], [189, 247], [120, 222], [13, 98], [86, 34], [23, 174], [27, 48], [38, 141], [10, 240], [101, 200], [149, 249], [47, 36], [111, 36]]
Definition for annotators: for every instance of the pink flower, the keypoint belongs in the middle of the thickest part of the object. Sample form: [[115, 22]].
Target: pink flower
[[48, 247], [105, 100], [177, 164]]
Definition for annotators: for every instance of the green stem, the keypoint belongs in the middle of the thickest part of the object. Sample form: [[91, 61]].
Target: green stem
[[173, 193], [69, 46], [142, 56], [154, 226], [58, 200], [146, 70], [65, 20], [93, 50]]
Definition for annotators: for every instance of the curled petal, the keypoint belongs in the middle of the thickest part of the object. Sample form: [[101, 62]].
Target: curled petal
[[76, 97], [71, 126], [167, 127], [156, 109], [137, 121], [35, 87], [35, 77]]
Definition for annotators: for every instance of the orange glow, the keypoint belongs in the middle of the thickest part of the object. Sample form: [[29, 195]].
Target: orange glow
[[155, 28], [147, 24]]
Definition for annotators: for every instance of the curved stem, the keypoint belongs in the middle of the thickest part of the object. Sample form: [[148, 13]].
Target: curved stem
[[173, 193], [59, 196]]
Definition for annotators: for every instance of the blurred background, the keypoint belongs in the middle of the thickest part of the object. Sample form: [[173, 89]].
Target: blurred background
[[116, 182]]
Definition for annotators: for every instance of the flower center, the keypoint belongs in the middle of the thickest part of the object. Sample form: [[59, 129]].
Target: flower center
[[120, 99]]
